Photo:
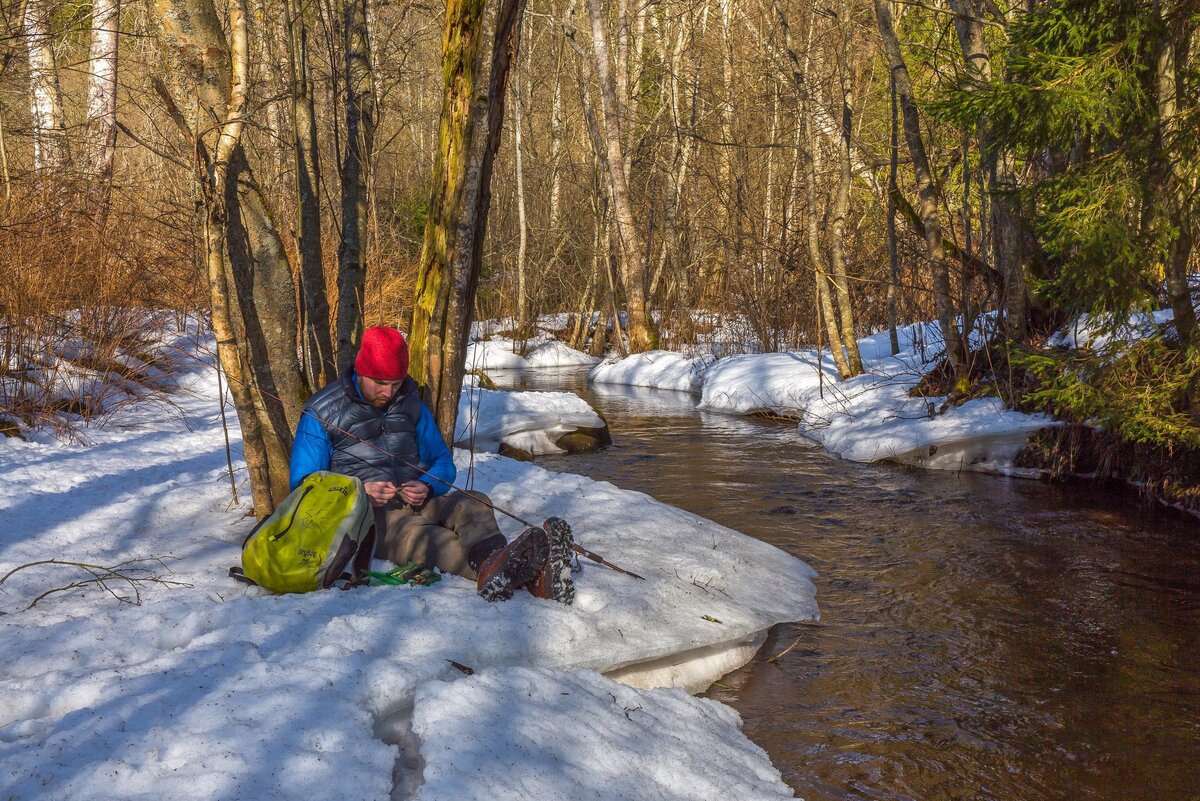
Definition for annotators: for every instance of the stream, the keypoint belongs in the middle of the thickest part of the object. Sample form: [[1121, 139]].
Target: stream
[[980, 638]]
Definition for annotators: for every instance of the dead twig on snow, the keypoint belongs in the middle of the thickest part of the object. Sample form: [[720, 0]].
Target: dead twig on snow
[[130, 575]]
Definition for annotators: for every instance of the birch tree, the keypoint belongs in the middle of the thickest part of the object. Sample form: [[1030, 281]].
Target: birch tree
[[102, 94], [631, 246], [841, 193], [250, 281], [50, 148], [926, 189]]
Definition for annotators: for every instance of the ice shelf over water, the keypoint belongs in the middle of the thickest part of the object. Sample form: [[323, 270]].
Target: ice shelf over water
[[530, 421], [211, 690]]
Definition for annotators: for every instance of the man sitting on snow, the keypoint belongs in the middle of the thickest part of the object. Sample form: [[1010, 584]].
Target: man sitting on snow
[[371, 423]]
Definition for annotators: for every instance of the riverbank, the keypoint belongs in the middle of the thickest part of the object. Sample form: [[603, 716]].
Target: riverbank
[[176, 682], [874, 417]]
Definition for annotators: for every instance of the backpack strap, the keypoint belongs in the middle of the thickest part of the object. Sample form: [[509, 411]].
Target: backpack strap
[[236, 573], [361, 562]]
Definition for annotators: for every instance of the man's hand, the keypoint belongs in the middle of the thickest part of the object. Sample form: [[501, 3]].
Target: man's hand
[[415, 493], [380, 492]]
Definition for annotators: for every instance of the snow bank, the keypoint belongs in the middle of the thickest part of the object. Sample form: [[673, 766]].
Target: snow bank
[[210, 690], [499, 735], [868, 418], [502, 354], [494, 354], [556, 354], [779, 383], [661, 369], [530, 421]]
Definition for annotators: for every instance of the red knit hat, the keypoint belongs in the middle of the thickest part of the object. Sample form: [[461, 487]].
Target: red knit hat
[[383, 354]]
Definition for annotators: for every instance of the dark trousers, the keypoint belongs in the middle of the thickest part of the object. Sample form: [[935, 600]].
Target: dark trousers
[[452, 532]]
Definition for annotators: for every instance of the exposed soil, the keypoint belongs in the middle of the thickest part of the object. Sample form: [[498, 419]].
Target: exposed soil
[[1170, 476]]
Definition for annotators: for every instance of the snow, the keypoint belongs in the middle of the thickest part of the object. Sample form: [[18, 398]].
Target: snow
[[636, 745], [211, 690], [868, 418], [555, 321], [556, 354], [530, 421], [661, 369], [494, 354], [503, 354], [1099, 332], [779, 383], [57, 365]]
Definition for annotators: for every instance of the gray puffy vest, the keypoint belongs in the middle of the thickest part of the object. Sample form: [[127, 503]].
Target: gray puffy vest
[[355, 426]]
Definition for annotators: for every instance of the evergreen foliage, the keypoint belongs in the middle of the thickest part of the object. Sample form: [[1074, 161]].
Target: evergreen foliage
[[1078, 107], [1141, 391]]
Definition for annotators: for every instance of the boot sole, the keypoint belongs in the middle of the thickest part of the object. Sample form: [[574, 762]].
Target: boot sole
[[562, 586], [522, 566]]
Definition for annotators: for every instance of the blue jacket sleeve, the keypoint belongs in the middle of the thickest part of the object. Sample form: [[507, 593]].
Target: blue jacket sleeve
[[435, 456], [312, 450]]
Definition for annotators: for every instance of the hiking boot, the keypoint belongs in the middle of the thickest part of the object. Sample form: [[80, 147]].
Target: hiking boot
[[513, 566], [554, 580]]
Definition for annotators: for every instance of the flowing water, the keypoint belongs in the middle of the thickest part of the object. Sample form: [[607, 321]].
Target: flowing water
[[980, 637]]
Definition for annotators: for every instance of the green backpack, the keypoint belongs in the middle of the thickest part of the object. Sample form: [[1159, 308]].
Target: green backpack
[[324, 527]]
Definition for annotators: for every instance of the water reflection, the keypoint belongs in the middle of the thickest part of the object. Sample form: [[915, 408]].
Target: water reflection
[[981, 637]]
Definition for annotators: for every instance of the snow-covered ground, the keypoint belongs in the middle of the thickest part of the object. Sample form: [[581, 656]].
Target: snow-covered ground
[[210, 690], [868, 418], [658, 369], [61, 368]]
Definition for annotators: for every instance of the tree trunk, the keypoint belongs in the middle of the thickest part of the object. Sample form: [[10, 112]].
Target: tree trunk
[[360, 136], [50, 150], [684, 145], [1173, 46], [315, 340], [820, 273], [1011, 244], [468, 137], [522, 220], [730, 222], [557, 127], [825, 122], [631, 247], [841, 201], [254, 315], [927, 192], [102, 97], [893, 253]]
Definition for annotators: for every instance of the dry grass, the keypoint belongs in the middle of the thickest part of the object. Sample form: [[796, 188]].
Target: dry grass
[[77, 333]]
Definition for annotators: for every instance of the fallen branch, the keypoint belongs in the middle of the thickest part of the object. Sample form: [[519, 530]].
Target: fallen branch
[[132, 573]]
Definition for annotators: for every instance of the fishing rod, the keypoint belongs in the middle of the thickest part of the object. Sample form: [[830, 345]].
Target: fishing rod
[[576, 547]]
